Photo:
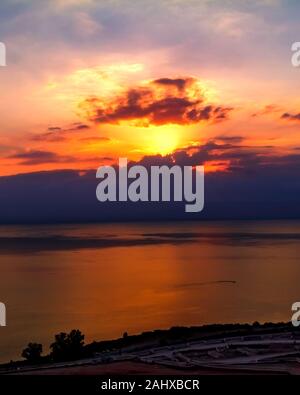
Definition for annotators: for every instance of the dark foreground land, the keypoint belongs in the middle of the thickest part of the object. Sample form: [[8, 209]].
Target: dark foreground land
[[212, 349]]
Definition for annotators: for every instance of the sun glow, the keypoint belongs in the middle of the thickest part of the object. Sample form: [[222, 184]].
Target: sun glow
[[163, 139]]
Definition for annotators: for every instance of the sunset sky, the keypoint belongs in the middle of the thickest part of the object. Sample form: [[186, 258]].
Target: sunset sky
[[90, 81]]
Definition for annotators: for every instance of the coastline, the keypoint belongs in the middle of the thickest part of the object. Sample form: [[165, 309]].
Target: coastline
[[208, 349]]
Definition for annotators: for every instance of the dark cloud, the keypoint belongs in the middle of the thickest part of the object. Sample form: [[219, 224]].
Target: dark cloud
[[78, 126], [36, 157], [208, 113], [57, 133], [176, 101], [179, 83], [235, 157], [291, 117], [54, 129]]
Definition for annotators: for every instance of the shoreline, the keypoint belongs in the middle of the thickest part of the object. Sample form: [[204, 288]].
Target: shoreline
[[208, 349]]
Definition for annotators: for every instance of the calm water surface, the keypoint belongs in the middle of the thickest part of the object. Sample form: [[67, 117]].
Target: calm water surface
[[108, 279]]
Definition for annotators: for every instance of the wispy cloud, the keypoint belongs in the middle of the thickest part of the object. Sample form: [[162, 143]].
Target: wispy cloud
[[35, 157]]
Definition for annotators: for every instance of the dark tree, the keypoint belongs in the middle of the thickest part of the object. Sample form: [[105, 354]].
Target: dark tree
[[67, 346], [33, 352]]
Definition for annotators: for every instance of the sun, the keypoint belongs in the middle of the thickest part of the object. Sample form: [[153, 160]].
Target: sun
[[162, 139]]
